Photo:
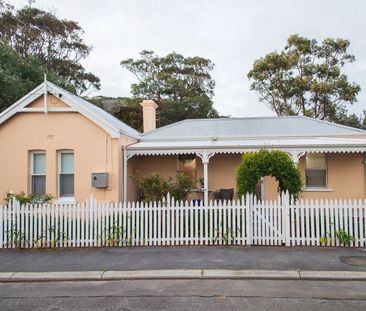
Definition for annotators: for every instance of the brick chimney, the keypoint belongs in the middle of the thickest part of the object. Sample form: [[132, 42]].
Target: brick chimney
[[149, 114]]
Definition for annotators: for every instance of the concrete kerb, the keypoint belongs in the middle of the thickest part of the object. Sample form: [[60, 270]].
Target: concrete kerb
[[180, 274]]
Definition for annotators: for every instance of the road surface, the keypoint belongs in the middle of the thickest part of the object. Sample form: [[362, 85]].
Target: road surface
[[184, 295]]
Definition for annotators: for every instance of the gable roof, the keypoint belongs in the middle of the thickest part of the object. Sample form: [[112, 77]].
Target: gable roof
[[235, 128], [102, 118]]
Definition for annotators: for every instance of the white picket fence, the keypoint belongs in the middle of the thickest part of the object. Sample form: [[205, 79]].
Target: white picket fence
[[168, 223]]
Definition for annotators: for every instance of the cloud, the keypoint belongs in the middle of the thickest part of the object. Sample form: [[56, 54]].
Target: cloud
[[232, 33]]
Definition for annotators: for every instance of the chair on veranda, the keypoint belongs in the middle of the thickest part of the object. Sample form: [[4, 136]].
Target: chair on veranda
[[223, 194], [227, 194]]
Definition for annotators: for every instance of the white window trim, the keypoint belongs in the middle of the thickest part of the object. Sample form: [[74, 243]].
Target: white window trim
[[31, 168], [317, 188], [59, 197]]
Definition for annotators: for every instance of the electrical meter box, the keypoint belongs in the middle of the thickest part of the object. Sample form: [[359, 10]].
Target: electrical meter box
[[99, 180]]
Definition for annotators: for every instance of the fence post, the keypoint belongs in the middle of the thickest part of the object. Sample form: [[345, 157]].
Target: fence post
[[286, 217], [247, 204]]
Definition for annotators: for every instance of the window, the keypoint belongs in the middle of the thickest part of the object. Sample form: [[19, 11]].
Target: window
[[38, 173], [187, 165], [66, 174], [316, 170]]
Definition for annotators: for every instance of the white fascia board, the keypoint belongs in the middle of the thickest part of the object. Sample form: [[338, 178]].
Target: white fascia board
[[49, 110], [21, 103], [242, 150]]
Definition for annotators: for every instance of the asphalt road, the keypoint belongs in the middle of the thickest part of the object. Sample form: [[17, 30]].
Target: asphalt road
[[151, 258], [185, 295]]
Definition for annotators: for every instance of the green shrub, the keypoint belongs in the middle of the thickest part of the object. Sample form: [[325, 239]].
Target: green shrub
[[155, 187], [32, 198], [274, 163], [182, 187]]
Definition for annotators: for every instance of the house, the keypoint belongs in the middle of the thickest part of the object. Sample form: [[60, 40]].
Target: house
[[55, 142]]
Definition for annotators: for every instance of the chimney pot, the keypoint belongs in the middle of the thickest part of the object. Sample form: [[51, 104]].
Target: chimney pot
[[149, 114]]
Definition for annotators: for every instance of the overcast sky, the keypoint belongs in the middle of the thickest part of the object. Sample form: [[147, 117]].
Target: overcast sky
[[231, 33]]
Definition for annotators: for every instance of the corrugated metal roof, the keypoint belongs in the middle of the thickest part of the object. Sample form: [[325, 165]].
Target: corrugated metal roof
[[249, 127]]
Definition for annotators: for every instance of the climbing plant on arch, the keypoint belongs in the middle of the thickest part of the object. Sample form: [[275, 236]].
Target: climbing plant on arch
[[268, 163]]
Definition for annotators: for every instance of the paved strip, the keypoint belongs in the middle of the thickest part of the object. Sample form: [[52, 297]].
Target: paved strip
[[152, 274], [333, 275], [252, 274], [181, 274]]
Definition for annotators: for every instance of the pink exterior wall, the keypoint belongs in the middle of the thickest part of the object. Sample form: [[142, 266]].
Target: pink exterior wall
[[346, 174], [94, 151], [145, 165]]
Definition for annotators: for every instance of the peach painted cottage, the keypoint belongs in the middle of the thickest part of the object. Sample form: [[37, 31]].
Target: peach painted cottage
[[52, 141]]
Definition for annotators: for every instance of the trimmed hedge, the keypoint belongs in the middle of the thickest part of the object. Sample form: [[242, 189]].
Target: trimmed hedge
[[268, 163]]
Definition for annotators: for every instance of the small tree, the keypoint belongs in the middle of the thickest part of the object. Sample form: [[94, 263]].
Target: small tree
[[274, 163], [182, 187], [155, 187]]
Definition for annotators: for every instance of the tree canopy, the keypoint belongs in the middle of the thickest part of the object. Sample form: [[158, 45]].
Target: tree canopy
[[307, 78], [125, 109], [20, 75], [181, 86], [55, 43]]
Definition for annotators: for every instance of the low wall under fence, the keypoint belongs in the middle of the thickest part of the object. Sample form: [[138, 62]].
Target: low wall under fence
[[238, 222]]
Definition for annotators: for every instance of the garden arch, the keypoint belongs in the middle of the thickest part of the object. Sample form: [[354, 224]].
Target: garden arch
[[273, 163]]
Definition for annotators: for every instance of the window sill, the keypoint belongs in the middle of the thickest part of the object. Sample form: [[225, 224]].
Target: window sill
[[318, 190], [65, 200]]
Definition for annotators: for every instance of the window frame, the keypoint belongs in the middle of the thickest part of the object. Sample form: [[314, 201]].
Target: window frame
[[184, 171], [31, 169], [59, 174], [325, 169]]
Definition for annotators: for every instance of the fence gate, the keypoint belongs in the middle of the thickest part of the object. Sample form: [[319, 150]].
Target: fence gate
[[266, 223]]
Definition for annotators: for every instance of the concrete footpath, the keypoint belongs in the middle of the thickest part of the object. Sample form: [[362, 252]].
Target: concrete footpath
[[182, 274], [221, 262]]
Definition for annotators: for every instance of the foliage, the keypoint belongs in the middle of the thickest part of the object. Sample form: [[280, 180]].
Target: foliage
[[15, 238], [181, 86], [58, 236], [306, 78], [18, 76], [182, 187], [32, 198], [156, 187], [113, 235], [324, 240], [344, 238], [228, 236], [125, 109], [263, 163], [55, 43]]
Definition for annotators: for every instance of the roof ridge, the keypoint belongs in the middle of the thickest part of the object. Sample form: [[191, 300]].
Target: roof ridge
[[335, 124]]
